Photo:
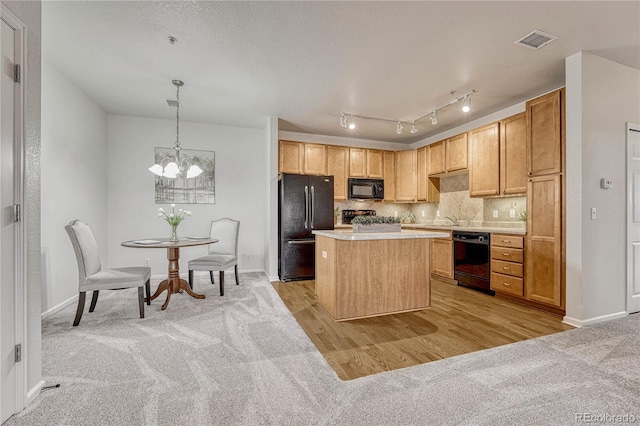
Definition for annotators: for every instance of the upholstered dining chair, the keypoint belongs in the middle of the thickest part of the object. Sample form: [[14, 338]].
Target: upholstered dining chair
[[93, 278], [222, 255]]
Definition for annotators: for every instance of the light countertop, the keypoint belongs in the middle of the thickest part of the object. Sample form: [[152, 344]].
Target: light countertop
[[489, 229], [346, 234]]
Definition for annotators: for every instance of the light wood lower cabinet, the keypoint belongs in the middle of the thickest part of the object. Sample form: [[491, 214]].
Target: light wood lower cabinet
[[507, 270], [544, 241], [442, 257]]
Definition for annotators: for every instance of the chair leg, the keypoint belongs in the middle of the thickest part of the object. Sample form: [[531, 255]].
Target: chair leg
[[81, 298], [211, 275], [141, 300], [191, 279], [147, 286], [221, 283], [94, 300], [236, 269]]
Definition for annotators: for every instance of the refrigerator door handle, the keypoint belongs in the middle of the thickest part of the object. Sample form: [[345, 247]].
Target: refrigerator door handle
[[306, 207], [302, 242], [313, 199]]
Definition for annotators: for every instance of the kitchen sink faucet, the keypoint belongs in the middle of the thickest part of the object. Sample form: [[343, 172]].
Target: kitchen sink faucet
[[453, 219]]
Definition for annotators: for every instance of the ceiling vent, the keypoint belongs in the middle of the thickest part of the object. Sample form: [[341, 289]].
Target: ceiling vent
[[172, 103], [535, 40]]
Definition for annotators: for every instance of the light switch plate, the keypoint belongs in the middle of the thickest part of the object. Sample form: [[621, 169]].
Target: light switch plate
[[512, 213], [495, 214], [593, 213], [324, 254]]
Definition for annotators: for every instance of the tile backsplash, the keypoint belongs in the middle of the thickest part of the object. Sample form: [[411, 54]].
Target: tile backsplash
[[454, 202]]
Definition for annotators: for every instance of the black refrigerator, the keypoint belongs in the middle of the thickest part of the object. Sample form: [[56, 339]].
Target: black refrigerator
[[305, 204]]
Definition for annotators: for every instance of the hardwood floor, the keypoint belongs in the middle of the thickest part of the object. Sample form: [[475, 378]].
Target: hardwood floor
[[459, 321]]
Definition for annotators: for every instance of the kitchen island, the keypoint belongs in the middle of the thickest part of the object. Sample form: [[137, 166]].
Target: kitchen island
[[361, 275]]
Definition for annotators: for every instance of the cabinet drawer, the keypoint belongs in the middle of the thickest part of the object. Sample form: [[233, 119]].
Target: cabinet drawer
[[507, 268], [507, 284], [502, 240], [508, 254]]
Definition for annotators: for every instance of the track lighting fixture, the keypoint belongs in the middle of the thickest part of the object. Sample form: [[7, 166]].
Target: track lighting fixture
[[347, 120]]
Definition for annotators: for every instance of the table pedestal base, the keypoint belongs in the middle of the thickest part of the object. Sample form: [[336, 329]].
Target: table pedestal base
[[174, 284]]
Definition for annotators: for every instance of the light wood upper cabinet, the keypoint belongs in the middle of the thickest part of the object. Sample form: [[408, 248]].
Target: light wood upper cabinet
[[406, 175], [389, 168], [338, 166], [543, 279], [358, 162], [374, 164], [427, 188], [291, 157], [436, 159], [544, 134], [457, 153], [513, 155], [315, 159], [484, 173]]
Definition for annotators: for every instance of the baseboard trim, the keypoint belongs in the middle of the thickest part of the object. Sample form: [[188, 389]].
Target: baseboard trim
[[34, 392], [604, 318], [272, 278], [59, 307]]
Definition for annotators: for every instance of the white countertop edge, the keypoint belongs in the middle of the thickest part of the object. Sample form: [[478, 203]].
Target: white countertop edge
[[405, 234]]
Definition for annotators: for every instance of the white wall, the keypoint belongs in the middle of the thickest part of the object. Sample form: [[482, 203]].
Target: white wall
[[602, 96], [240, 189], [74, 180], [30, 13]]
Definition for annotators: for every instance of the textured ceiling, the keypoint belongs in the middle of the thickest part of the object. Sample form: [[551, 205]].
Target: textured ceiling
[[305, 62]]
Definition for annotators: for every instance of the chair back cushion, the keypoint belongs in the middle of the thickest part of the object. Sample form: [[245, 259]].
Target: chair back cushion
[[85, 247], [226, 232]]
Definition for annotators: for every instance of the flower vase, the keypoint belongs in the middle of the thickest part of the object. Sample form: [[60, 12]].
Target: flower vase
[[174, 234]]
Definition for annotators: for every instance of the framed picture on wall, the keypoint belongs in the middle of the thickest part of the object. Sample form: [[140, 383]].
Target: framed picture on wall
[[200, 189]]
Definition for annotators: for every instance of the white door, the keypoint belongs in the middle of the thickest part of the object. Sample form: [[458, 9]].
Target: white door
[[7, 228], [633, 218]]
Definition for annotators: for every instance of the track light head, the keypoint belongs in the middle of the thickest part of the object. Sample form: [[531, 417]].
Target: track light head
[[352, 125], [343, 120], [399, 128], [434, 118], [465, 104], [413, 128]]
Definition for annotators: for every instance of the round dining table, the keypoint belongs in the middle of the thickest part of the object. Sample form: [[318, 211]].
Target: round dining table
[[173, 284]]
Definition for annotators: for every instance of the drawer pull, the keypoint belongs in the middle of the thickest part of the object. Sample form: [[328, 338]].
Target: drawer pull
[[506, 285], [506, 268], [506, 241], [506, 254]]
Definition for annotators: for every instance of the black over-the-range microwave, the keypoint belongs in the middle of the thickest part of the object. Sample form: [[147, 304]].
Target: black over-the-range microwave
[[366, 189]]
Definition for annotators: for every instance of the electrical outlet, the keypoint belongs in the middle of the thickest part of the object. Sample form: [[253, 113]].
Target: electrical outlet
[[495, 214], [423, 213], [395, 213], [437, 213], [324, 254], [512, 213], [146, 261], [593, 213]]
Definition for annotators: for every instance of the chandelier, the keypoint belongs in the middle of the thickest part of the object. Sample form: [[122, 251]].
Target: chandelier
[[173, 166]]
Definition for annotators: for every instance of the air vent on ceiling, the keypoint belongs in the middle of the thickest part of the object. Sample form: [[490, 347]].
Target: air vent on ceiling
[[535, 40], [172, 103]]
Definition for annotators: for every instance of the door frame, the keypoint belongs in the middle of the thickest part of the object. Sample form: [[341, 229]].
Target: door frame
[[18, 192], [630, 127]]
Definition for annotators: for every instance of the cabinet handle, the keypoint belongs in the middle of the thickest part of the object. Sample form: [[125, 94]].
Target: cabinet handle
[[506, 285], [506, 241], [506, 268], [506, 254]]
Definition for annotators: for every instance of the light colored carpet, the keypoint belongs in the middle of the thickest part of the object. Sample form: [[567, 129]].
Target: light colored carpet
[[242, 359]]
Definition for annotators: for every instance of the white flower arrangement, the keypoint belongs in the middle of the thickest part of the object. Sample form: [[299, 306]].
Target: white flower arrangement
[[172, 218]]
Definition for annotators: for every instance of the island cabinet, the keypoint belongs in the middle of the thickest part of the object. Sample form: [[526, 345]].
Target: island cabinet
[[365, 275], [484, 172], [428, 188], [389, 173], [507, 269], [406, 176], [337, 166], [291, 157]]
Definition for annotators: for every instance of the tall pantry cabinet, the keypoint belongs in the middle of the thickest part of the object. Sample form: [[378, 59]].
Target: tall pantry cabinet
[[545, 167]]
